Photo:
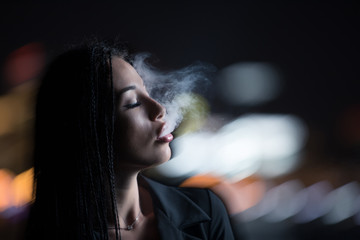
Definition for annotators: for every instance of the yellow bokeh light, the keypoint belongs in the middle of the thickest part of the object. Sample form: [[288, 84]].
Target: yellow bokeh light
[[6, 193], [22, 186], [15, 191]]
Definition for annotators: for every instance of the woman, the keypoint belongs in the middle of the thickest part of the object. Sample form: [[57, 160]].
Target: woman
[[96, 129]]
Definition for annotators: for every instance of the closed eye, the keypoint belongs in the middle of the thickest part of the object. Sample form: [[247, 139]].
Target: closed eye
[[132, 105]]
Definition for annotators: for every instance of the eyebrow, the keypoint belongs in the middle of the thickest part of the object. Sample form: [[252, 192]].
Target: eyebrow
[[132, 87]]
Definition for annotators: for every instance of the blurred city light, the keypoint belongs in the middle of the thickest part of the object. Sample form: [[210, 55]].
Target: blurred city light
[[268, 145], [249, 83], [24, 64], [342, 203], [313, 204], [15, 191], [6, 192]]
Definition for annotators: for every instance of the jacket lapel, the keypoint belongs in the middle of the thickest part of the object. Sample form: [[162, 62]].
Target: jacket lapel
[[174, 211]]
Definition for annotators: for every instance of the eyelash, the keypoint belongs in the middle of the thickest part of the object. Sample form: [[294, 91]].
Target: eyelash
[[132, 105]]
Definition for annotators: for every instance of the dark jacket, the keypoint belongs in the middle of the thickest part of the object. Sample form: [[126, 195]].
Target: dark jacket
[[189, 213], [181, 213]]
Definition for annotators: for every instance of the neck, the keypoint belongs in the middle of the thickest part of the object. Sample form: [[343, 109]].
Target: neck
[[127, 197]]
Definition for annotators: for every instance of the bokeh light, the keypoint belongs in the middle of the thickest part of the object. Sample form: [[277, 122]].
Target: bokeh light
[[268, 145], [249, 83]]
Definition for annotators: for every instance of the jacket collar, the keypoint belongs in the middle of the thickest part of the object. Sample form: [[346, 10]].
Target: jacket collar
[[173, 208]]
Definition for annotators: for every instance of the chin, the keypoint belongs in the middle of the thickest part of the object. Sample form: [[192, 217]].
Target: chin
[[163, 158], [168, 155]]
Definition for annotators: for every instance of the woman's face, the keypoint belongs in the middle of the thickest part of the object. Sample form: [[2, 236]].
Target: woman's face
[[139, 121]]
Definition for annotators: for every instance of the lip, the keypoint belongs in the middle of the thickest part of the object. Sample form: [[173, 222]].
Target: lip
[[166, 138]]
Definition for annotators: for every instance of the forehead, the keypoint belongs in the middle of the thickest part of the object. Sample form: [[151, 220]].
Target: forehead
[[124, 74]]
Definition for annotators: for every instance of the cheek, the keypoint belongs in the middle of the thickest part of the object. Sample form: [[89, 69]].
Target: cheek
[[137, 129], [132, 132]]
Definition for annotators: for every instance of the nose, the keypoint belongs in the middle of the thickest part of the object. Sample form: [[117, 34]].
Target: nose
[[157, 111]]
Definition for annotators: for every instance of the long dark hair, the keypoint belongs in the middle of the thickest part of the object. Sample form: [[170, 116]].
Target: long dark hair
[[73, 154]]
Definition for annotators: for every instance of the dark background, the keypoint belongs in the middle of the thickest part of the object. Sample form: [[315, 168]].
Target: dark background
[[314, 44]]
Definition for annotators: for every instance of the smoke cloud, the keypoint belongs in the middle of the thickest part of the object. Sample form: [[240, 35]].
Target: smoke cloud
[[166, 87]]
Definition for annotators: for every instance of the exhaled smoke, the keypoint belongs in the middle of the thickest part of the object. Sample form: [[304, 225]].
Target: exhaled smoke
[[166, 87]]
